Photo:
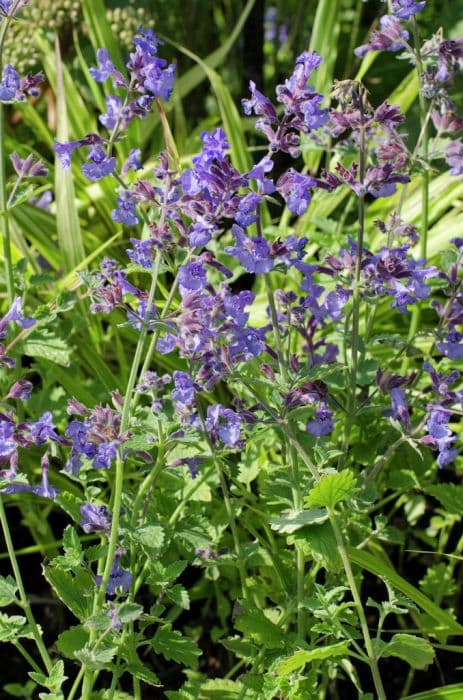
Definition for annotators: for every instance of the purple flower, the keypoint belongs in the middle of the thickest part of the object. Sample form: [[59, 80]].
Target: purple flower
[[247, 209], [64, 152], [125, 211], [143, 252], [9, 86], [20, 390], [391, 37], [192, 278], [9, 8], [453, 345], [29, 167], [133, 161], [223, 423], [42, 430], [100, 166], [95, 518], [259, 104], [253, 253], [45, 490], [404, 9], [184, 392], [454, 157], [110, 118], [106, 69], [440, 437], [400, 410], [294, 188], [120, 579], [8, 445], [322, 424], [15, 314]]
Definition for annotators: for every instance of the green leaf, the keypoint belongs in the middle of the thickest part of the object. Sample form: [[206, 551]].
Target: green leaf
[[150, 536], [74, 591], [331, 489], [416, 651], [8, 590], [45, 343], [448, 692], [302, 657], [253, 623], [179, 595], [450, 495], [293, 520], [97, 659], [67, 220], [72, 640], [173, 646], [128, 612], [14, 627], [72, 557], [377, 566], [143, 674]]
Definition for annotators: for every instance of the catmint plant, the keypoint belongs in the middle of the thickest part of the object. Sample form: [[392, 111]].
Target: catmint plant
[[281, 398]]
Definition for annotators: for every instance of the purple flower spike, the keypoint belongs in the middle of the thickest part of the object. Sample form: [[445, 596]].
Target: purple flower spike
[[29, 167], [400, 410]]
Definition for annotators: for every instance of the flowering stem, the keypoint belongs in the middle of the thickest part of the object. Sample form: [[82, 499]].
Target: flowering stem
[[5, 225], [373, 661], [228, 506], [119, 481], [24, 600], [276, 329]]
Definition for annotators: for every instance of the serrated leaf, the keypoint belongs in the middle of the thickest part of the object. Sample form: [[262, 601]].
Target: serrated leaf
[[332, 489], [150, 536], [173, 646], [45, 343], [128, 612], [416, 651], [179, 595], [72, 640], [13, 627], [253, 623], [293, 520], [74, 591], [72, 557], [97, 659], [8, 590], [143, 674], [450, 495], [303, 656]]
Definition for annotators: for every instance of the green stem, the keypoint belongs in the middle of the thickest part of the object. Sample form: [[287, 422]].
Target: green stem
[[228, 506], [373, 661], [300, 558], [25, 604], [5, 225], [22, 650], [76, 683], [276, 329], [119, 480]]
